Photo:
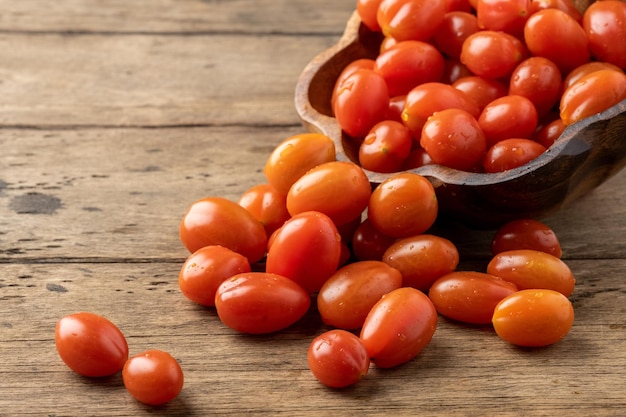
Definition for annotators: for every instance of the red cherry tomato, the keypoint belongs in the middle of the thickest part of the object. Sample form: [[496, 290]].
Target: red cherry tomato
[[453, 138], [399, 327], [548, 134], [339, 189], [408, 64], [361, 101], [533, 317], [307, 250], [604, 23], [528, 268], [503, 15], [267, 204], [566, 6], [204, 271], [480, 89], [338, 358], [396, 105], [219, 221], [508, 117], [422, 259], [539, 80], [368, 11], [426, 99], [351, 68], [153, 377], [260, 302], [526, 234], [386, 147], [511, 153], [453, 70], [469, 297], [349, 294], [417, 158], [554, 34], [410, 19], [90, 344], [592, 94], [458, 5], [453, 31], [492, 54], [294, 156], [403, 205], [368, 244]]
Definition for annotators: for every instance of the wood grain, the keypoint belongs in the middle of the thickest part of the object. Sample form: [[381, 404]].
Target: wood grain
[[115, 116]]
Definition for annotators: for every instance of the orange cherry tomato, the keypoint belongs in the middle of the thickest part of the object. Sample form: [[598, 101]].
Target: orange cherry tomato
[[410, 19], [267, 204], [533, 317], [399, 327], [528, 268], [507, 117], [153, 377], [386, 147], [492, 54]]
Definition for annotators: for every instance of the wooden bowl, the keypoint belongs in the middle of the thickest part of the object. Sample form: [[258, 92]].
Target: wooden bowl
[[585, 155]]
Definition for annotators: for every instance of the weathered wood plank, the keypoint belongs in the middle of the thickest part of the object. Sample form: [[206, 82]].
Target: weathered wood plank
[[464, 371]]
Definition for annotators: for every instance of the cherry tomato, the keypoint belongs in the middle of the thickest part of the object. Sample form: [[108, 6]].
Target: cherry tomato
[[511, 153], [90, 344], [458, 5], [453, 138], [492, 54], [267, 204], [260, 302], [422, 259], [408, 64], [361, 101], [338, 358], [399, 327], [528, 268], [153, 377], [403, 205], [351, 68], [579, 72], [533, 317], [469, 297], [453, 31], [526, 234], [539, 80], [296, 155], [480, 89], [417, 158], [368, 11], [410, 19], [592, 94], [339, 189], [307, 250], [349, 294], [426, 99], [508, 117], [385, 147], [604, 23], [503, 15], [219, 221], [549, 133], [554, 34], [453, 70], [204, 271], [368, 244], [566, 6]]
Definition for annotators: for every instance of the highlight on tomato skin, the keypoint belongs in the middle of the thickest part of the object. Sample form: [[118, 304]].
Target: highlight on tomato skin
[[90, 344]]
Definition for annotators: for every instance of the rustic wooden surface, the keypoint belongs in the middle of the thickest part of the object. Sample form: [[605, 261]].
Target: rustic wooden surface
[[116, 115]]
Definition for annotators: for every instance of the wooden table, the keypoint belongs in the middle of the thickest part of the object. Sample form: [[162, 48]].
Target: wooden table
[[116, 115]]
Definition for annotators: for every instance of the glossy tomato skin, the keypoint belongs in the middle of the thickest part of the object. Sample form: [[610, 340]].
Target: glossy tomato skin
[[592, 94], [386, 147], [296, 155], [260, 302], [511, 153], [267, 204], [408, 64], [526, 234], [351, 68], [339, 189], [368, 244], [90, 345], [507, 117], [554, 34], [579, 72], [549, 133], [539, 80], [349, 294], [503, 15], [528, 268], [399, 327], [153, 377], [368, 11], [604, 23], [338, 358], [205, 269], [468, 296], [219, 221], [453, 138], [403, 205], [361, 101], [492, 54], [422, 259], [533, 317], [410, 19], [307, 250], [481, 90], [566, 6], [454, 29]]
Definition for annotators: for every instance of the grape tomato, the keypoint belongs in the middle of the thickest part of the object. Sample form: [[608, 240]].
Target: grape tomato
[[153, 377]]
